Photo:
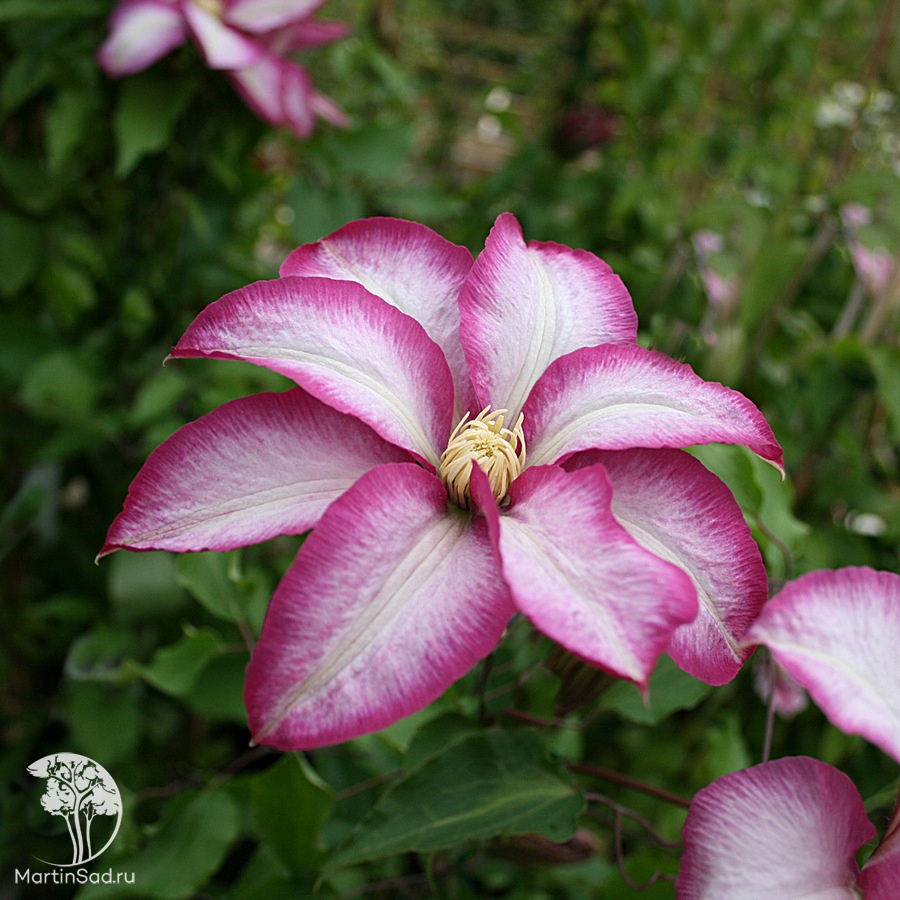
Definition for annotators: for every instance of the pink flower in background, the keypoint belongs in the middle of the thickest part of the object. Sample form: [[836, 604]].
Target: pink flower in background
[[875, 266], [837, 632], [722, 290], [422, 377], [791, 828], [787, 829], [248, 39], [775, 685]]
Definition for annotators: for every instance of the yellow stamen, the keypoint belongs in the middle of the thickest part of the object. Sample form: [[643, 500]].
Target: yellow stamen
[[499, 452], [213, 7]]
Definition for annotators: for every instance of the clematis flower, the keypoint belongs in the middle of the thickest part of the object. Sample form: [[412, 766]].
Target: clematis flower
[[789, 829], [248, 39], [875, 266], [837, 632], [467, 440]]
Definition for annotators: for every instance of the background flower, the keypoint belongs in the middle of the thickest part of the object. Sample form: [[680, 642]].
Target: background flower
[[250, 39]]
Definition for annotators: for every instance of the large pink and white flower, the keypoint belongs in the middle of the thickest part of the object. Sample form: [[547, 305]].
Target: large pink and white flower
[[422, 377], [249, 39], [790, 829]]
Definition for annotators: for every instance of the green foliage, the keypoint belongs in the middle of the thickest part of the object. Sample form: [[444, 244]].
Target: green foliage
[[495, 783], [625, 128]]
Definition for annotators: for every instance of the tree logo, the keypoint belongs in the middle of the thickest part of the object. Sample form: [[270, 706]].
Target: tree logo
[[79, 790]]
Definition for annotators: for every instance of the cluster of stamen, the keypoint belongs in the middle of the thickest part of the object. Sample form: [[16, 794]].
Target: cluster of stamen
[[498, 451], [213, 7]]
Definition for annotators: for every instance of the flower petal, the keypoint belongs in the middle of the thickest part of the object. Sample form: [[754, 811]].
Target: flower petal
[[254, 468], [223, 47], [325, 108], [390, 600], [141, 32], [280, 92], [525, 305], [787, 829], [308, 35], [621, 397], [581, 578], [673, 506], [837, 633], [881, 873], [408, 265], [264, 15], [341, 344]]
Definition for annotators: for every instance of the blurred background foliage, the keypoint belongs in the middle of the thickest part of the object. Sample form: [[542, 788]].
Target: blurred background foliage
[[738, 164]]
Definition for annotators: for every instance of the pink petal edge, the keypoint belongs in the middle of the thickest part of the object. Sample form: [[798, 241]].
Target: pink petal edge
[[525, 305], [409, 266], [673, 506], [581, 578], [391, 599], [837, 633], [251, 469], [619, 397], [140, 33], [342, 344], [787, 829]]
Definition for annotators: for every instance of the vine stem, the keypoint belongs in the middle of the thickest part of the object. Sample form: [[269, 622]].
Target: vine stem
[[628, 781], [620, 813], [770, 710]]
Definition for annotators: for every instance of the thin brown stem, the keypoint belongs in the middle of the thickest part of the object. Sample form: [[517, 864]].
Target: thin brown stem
[[770, 710], [628, 781], [620, 813]]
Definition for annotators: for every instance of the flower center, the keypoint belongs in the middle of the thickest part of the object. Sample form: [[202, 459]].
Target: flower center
[[499, 452], [214, 7]]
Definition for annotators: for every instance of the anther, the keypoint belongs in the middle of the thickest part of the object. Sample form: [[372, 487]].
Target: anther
[[498, 451]]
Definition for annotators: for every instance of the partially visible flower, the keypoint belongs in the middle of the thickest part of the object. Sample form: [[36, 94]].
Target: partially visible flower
[[837, 632], [722, 290], [584, 126], [875, 266], [466, 440], [787, 829], [249, 39], [775, 685]]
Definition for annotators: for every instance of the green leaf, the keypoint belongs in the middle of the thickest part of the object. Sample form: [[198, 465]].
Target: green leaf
[[20, 253], [321, 212], [885, 363], [175, 669], [156, 399], [60, 387], [218, 692], [25, 76], [725, 748], [70, 292], [99, 654], [495, 783], [49, 9], [207, 577], [188, 848], [669, 690], [217, 582], [68, 121], [104, 719], [290, 804], [377, 152], [143, 586], [145, 117], [436, 736]]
